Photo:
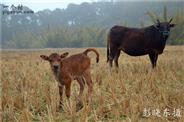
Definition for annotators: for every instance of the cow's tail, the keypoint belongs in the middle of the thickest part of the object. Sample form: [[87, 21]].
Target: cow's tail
[[95, 51], [108, 46]]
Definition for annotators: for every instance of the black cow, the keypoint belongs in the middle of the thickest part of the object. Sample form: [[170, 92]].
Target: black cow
[[138, 41]]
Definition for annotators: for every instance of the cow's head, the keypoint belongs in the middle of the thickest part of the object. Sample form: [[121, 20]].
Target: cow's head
[[55, 60], [164, 27]]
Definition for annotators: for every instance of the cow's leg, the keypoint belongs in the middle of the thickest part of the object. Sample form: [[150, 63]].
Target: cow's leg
[[153, 58], [116, 58], [113, 53], [61, 87], [110, 61], [87, 76], [81, 82]]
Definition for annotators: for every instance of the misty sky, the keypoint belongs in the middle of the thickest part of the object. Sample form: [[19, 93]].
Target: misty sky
[[37, 5]]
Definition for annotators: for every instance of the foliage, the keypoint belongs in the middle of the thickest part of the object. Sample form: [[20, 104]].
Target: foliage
[[60, 37]]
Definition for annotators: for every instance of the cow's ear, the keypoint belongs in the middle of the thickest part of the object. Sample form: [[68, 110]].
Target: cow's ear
[[44, 57], [64, 55], [172, 25]]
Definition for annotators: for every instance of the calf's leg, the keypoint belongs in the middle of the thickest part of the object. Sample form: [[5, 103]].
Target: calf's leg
[[68, 89], [81, 82], [87, 76], [61, 87]]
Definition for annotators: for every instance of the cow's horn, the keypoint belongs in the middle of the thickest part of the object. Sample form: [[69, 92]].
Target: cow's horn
[[170, 20], [158, 21]]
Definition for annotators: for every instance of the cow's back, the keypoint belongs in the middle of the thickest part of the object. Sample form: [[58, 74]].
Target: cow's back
[[131, 40]]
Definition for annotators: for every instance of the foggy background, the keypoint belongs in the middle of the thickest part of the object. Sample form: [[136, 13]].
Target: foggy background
[[59, 24]]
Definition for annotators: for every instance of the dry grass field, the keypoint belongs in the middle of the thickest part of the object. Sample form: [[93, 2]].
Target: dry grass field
[[30, 93]]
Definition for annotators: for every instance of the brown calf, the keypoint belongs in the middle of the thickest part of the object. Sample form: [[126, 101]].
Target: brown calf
[[75, 67]]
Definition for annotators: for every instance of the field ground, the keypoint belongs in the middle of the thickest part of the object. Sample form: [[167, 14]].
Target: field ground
[[30, 92]]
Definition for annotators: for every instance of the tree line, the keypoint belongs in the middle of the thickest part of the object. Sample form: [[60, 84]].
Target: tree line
[[86, 24]]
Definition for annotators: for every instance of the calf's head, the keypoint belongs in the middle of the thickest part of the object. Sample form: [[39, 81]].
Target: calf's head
[[164, 27], [55, 60]]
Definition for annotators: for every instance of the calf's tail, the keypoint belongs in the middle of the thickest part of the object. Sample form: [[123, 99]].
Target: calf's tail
[[93, 50]]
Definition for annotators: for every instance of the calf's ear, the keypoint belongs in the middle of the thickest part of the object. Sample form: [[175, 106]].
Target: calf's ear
[[172, 25], [64, 55], [44, 57]]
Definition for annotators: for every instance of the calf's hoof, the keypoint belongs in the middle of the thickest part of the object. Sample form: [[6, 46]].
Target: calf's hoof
[[79, 106], [60, 108]]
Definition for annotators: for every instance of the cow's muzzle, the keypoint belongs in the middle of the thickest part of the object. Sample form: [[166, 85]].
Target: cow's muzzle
[[165, 33]]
